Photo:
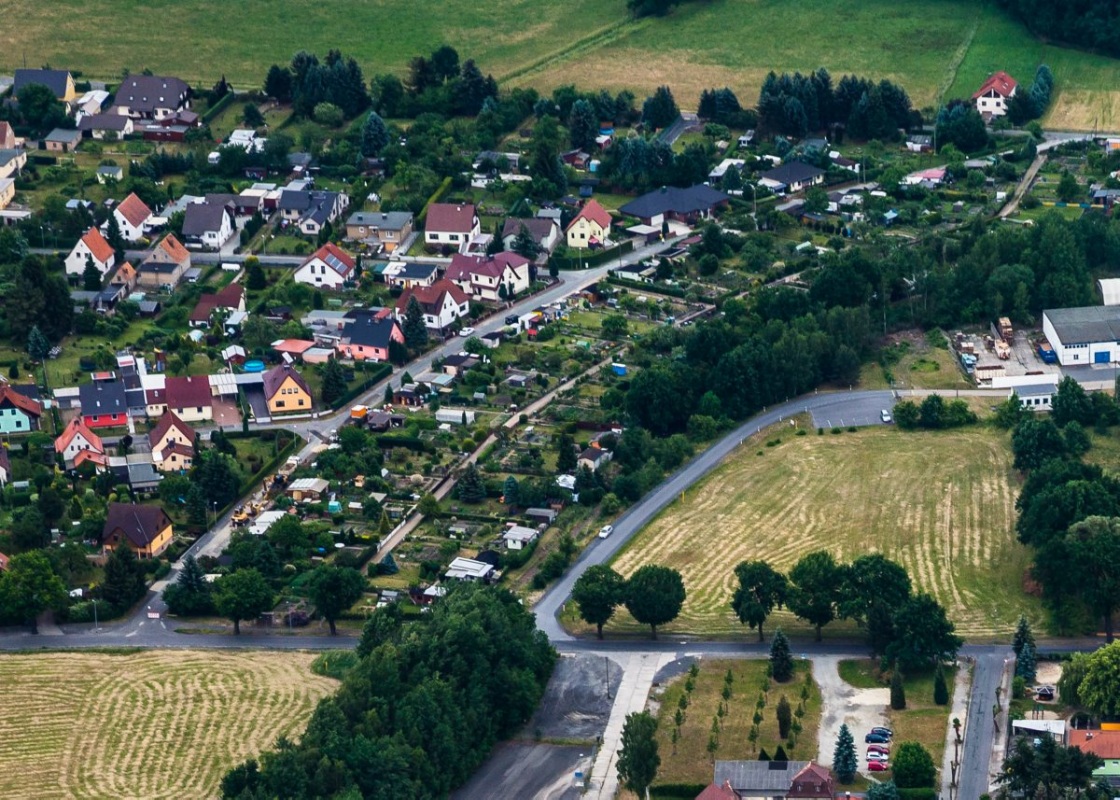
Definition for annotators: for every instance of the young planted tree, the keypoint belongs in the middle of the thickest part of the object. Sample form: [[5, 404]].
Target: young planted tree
[[844, 759], [597, 592], [785, 717], [334, 589], [245, 594], [761, 589], [940, 688], [781, 662], [638, 759], [654, 596], [898, 691]]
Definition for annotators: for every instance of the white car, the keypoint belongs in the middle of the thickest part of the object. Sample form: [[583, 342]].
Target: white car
[[466, 332], [606, 531], [885, 415], [878, 757]]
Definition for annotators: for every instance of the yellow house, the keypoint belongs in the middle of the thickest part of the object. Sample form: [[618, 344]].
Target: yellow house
[[59, 81], [172, 444], [145, 529], [590, 228], [285, 391], [7, 192]]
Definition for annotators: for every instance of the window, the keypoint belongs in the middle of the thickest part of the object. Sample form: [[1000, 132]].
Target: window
[[279, 403]]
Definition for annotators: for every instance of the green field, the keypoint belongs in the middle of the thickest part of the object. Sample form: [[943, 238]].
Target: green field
[[935, 48], [941, 504]]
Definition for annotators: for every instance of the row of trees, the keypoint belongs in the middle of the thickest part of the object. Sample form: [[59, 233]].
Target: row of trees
[[798, 104], [653, 595], [1088, 24]]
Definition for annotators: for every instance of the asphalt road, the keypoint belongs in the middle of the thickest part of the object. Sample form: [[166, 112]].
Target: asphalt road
[[978, 736]]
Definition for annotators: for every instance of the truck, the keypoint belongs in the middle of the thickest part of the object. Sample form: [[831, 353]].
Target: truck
[[1046, 353], [358, 413]]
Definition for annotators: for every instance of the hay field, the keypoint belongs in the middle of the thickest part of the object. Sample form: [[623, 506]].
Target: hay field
[[941, 504], [156, 724]]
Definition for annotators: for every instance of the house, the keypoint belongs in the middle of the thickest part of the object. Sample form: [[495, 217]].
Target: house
[[1089, 335], [125, 276], [189, 398], [92, 102], [12, 162], [104, 404], [231, 298], [171, 443], [718, 791], [457, 364], [5, 479], [131, 214], [328, 268], [771, 780], [151, 97], [442, 303], [792, 177], [18, 413], [146, 530], [593, 458], [62, 140], [77, 443], [165, 265], [92, 245], [467, 569], [285, 391], [207, 225], [451, 225], [545, 232], [59, 81], [7, 136], [108, 173], [307, 489], [993, 95], [813, 782], [687, 205], [591, 227], [96, 126], [502, 276], [310, 210], [1105, 744], [367, 338], [518, 537], [386, 228], [411, 274], [7, 192]]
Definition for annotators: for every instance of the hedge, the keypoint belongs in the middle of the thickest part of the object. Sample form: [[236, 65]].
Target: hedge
[[440, 191], [648, 288], [924, 793], [217, 108], [677, 791], [381, 372], [592, 260], [389, 440]]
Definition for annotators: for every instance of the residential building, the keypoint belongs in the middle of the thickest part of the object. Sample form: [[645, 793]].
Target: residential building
[[171, 443], [407, 275], [1105, 744], [451, 225], [993, 95], [442, 303], [5, 479], [104, 404], [189, 398], [770, 780], [7, 192], [62, 140], [124, 276], [96, 126], [590, 228], [467, 569], [151, 97], [545, 232], [12, 162], [1089, 335], [285, 391], [310, 210], [131, 214], [18, 413], [208, 225], [329, 267], [367, 338], [674, 203], [92, 245], [146, 530], [718, 791], [59, 81], [164, 267], [792, 177], [7, 136], [77, 443], [813, 782], [230, 299], [386, 228], [502, 276], [108, 173], [593, 458]]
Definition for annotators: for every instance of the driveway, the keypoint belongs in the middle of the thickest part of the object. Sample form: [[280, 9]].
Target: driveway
[[861, 709]]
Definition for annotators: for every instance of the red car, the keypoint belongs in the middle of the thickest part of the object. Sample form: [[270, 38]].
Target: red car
[[879, 748], [878, 766]]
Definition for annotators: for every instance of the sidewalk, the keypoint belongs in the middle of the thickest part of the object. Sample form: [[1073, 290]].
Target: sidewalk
[[958, 710]]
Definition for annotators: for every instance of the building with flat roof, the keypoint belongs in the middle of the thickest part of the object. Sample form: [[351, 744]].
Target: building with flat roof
[[1079, 336]]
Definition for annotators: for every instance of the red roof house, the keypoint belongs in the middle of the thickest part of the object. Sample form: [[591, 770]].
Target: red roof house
[[190, 398], [484, 277], [442, 303], [451, 224], [991, 98]]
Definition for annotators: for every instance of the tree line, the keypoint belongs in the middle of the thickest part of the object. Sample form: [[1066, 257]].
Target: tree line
[[1086, 24], [797, 104]]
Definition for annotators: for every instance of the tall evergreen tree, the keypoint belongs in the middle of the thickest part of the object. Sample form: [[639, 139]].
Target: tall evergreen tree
[[91, 276], [415, 331], [940, 688], [898, 691], [1023, 633], [784, 716], [38, 346], [375, 135], [471, 488], [190, 594], [844, 756], [1026, 665], [334, 382], [781, 662], [124, 578]]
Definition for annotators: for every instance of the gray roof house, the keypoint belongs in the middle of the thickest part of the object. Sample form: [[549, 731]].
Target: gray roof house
[[758, 779], [675, 203]]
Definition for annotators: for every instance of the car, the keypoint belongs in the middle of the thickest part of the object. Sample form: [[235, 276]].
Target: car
[[1044, 692], [879, 729], [878, 766], [606, 531], [885, 415], [512, 319], [466, 332], [872, 757], [876, 738], [879, 748]]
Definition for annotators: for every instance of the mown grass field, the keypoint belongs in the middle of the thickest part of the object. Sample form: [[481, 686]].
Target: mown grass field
[[935, 48], [941, 504], [164, 724]]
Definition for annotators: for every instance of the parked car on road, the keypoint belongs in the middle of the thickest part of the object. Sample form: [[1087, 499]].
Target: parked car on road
[[606, 531], [883, 731], [885, 415], [466, 332], [876, 738], [879, 748], [878, 766], [872, 757]]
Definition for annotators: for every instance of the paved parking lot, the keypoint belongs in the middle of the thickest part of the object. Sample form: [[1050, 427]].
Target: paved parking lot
[[849, 409]]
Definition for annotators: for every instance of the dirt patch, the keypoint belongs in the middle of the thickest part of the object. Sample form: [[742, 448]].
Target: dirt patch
[[860, 709], [576, 703]]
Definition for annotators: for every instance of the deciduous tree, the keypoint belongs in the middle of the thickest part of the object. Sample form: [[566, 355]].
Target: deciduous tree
[[923, 634], [761, 589], [913, 766], [597, 592], [29, 587], [638, 759], [334, 589], [816, 589], [190, 595], [243, 595], [654, 596]]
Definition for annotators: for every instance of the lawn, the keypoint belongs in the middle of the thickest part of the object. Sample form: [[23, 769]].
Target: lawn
[[941, 504], [145, 724], [921, 364], [689, 761]]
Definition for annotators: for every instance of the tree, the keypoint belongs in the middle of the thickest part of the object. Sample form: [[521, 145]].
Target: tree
[[1099, 690], [40, 109], [816, 589], [1034, 441], [923, 634], [252, 116], [1072, 403], [278, 83], [471, 488], [781, 662], [1023, 635], [898, 691], [30, 530], [1026, 665], [654, 596], [913, 766], [334, 382], [761, 589], [195, 503], [255, 279], [1094, 544], [873, 588], [566, 460], [615, 326], [328, 114], [1030, 770], [124, 578], [940, 688], [844, 759], [882, 791], [1068, 187], [91, 276], [525, 245], [244, 594], [1073, 673], [784, 716], [596, 593], [38, 346], [190, 594], [375, 135], [638, 759], [660, 110], [415, 331], [29, 587], [334, 589]]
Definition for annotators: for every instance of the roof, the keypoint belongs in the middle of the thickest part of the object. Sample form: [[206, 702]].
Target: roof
[[415, 271], [104, 122], [593, 211], [1000, 82], [201, 218], [812, 781], [756, 777], [793, 172], [140, 524], [167, 421], [1051, 726], [170, 249], [467, 568], [1105, 744], [9, 396], [318, 485], [101, 249], [334, 257], [382, 220], [432, 296], [293, 346], [717, 791], [594, 454], [102, 397], [67, 135], [133, 209], [538, 227], [149, 92], [74, 428], [274, 377], [463, 267], [1036, 390], [53, 79], [1084, 325], [675, 200], [188, 392], [450, 217], [369, 331]]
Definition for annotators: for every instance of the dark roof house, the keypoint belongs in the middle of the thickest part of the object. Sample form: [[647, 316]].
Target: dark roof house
[[140, 524], [676, 203]]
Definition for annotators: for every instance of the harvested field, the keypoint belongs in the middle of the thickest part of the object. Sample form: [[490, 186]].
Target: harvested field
[[941, 504], [145, 725]]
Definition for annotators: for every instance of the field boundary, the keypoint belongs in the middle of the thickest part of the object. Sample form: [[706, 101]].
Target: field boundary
[[593, 40]]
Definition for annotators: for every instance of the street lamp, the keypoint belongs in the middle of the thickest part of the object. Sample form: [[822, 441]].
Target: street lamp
[[95, 615]]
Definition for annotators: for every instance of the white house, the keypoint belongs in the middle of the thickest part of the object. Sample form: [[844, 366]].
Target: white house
[[518, 537], [992, 97], [328, 268], [91, 245], [442, 303], [452, 225], [498, 277], [131, 214], [208, 225]]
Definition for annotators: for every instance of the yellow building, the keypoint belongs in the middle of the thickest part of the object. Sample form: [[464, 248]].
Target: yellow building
[[590, 228], [145, 529], [285, 391]]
